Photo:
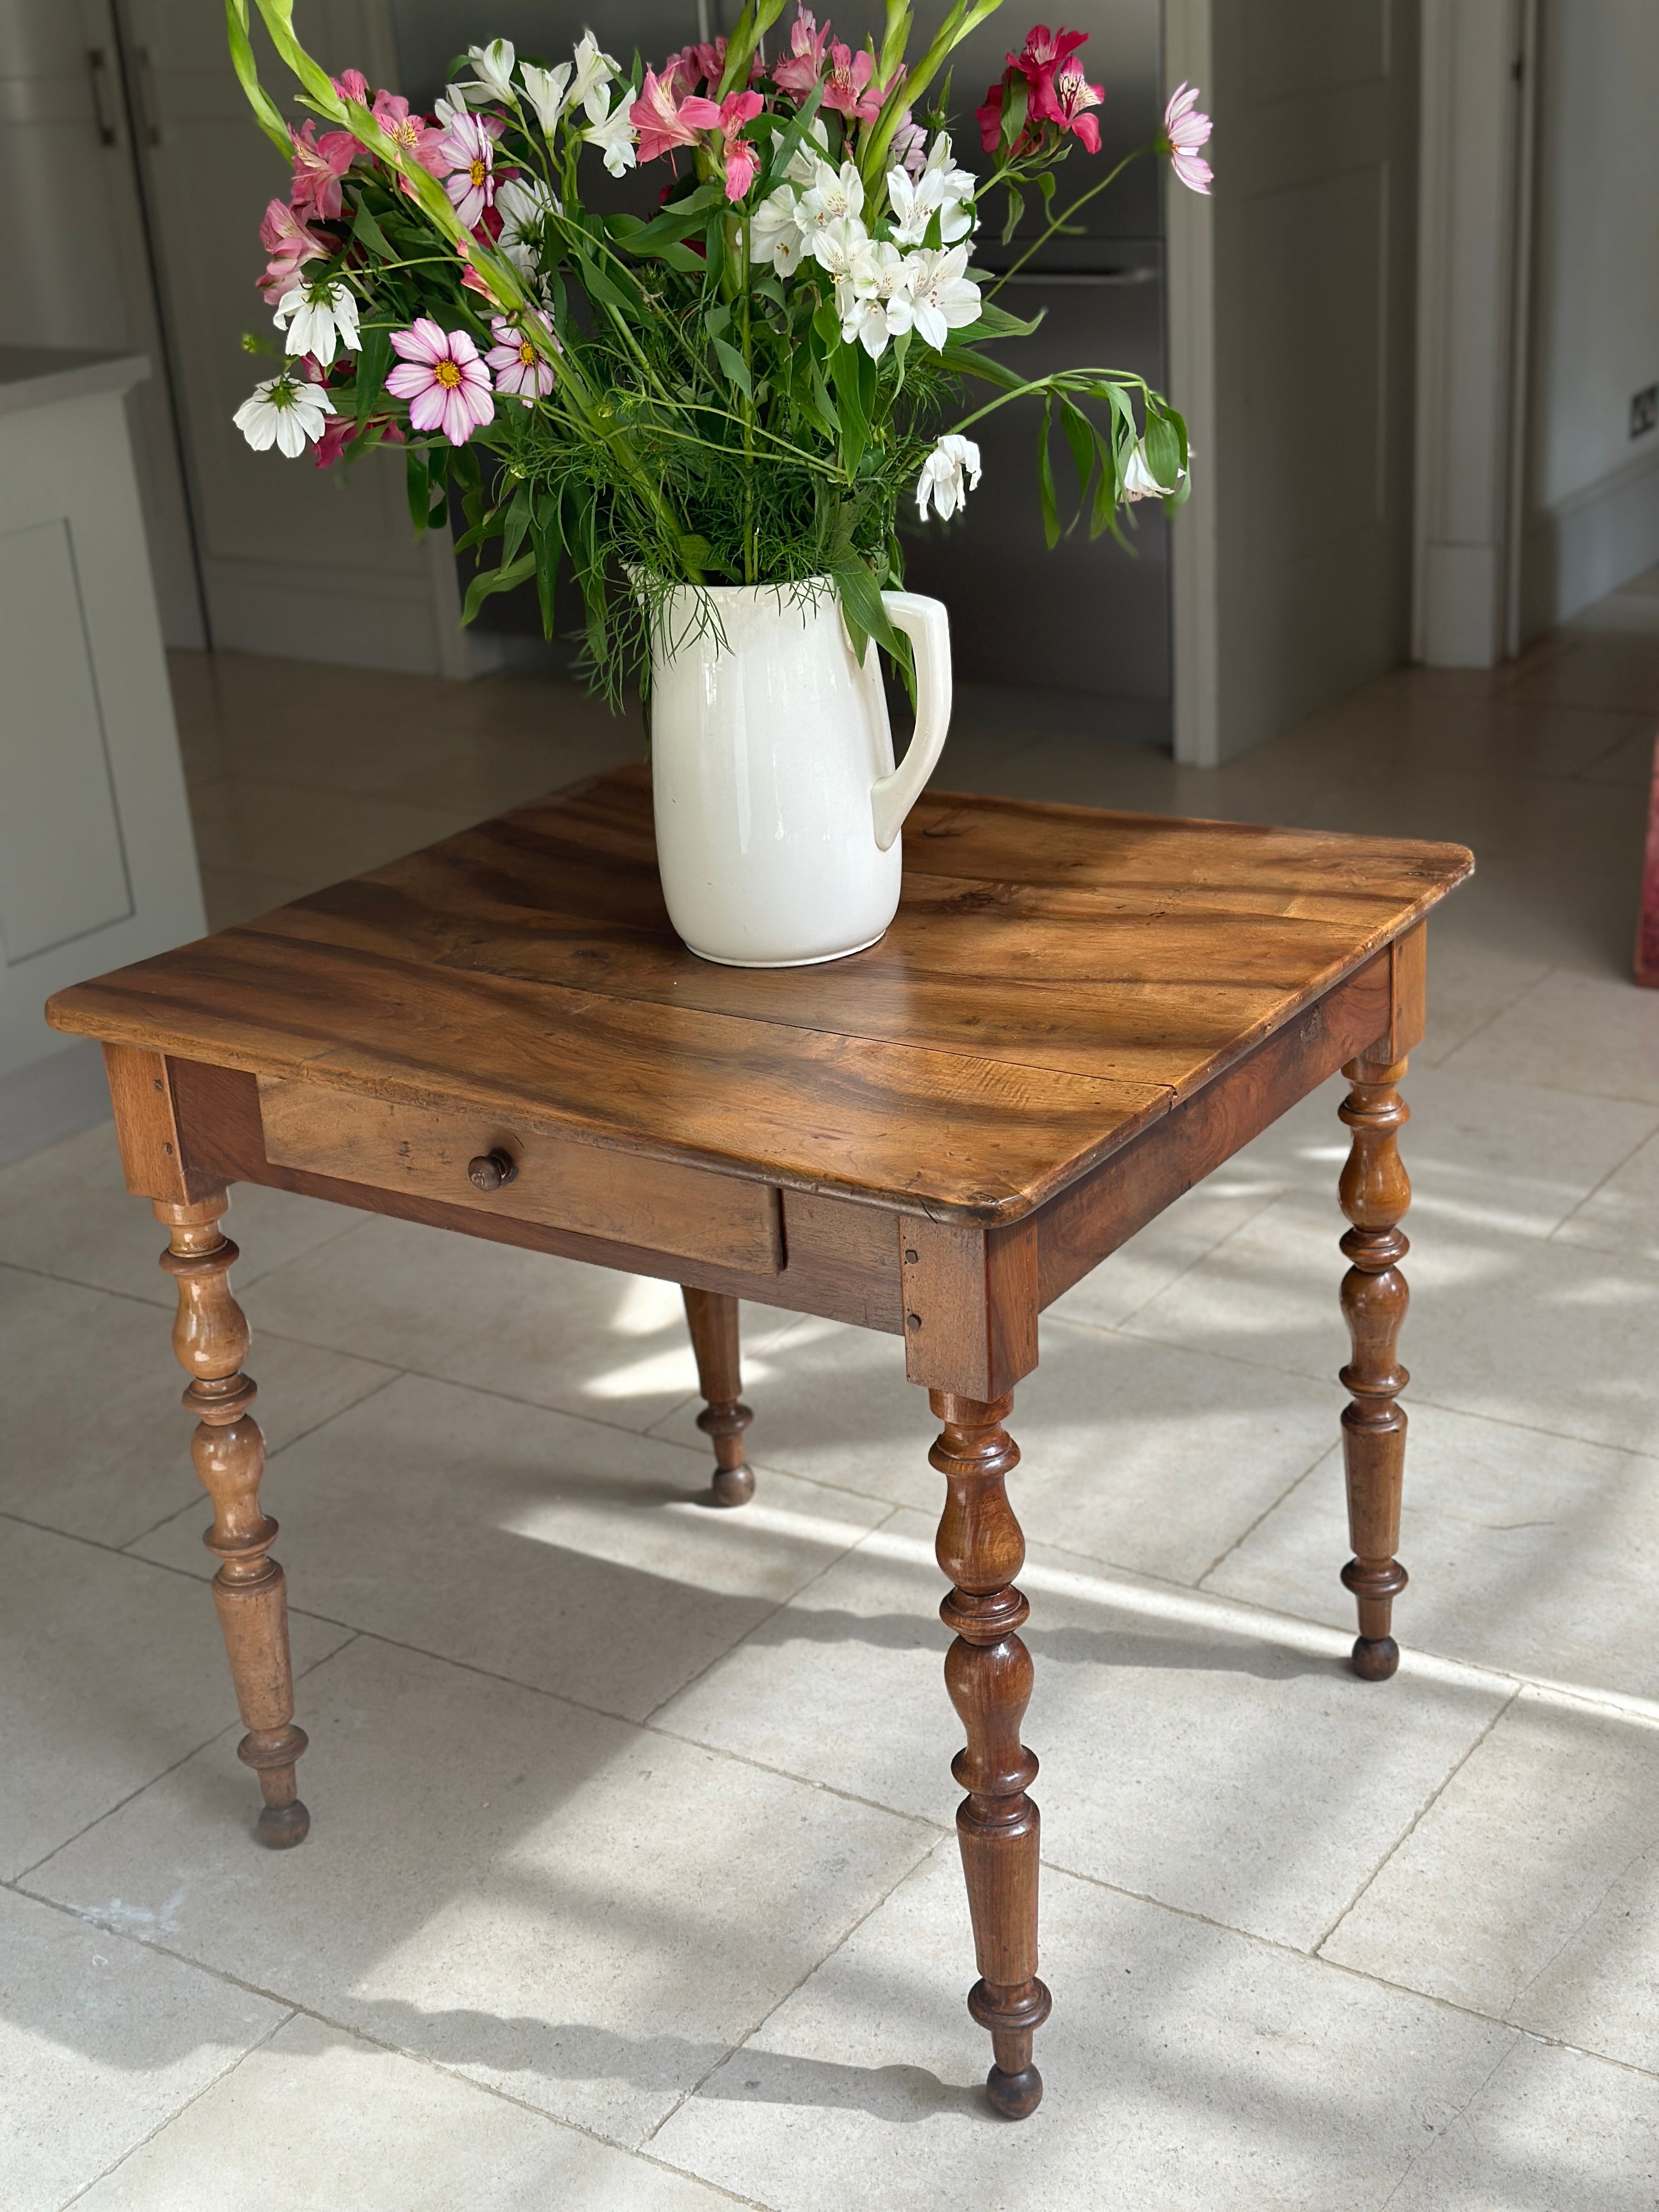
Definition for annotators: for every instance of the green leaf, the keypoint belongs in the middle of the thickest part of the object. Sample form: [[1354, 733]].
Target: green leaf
[[966, 362], [496, 579], [861, 599], [517, 522], [1046, 482], [735, 366], [607, 291], [854, 423], [419, 483], [1016, 209], [373, 366], [1081, 437], [369, 235], [995, 322], [1162, 449], [788, 145]]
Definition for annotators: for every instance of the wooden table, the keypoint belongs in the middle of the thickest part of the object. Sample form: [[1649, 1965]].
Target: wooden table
[[1075, 1016]]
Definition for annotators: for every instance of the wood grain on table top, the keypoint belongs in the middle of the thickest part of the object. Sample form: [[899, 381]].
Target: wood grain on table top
[[1056, 978]]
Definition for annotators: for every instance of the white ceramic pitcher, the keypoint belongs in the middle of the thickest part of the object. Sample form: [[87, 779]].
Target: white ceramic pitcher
[[778, 807]]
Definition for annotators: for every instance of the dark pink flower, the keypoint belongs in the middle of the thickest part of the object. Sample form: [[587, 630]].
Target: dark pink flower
[[664, 119], [696, 65], [799, 70], [1043, 48], [439, 374], [1061, 97], [318, 166], [338, 431], [351, 84], [290, 244]]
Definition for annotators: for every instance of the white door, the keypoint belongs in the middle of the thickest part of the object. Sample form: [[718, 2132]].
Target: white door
[[1293, 350]]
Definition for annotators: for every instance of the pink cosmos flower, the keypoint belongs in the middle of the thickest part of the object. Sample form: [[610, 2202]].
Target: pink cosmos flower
[[849, 90], [318, 166], [1061, 97], [800, 68], [468, 153], [439, 374], [665, 121], [1185, 130], [351, 84], [742, 159], [521, 372], [290, 244]]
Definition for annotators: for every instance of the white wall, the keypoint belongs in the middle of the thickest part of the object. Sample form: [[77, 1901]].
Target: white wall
[[1593, 518]]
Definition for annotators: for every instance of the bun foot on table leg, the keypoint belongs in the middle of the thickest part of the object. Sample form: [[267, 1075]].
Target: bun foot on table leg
[[1016, 2096], [1375, 1658], [280, 1826]]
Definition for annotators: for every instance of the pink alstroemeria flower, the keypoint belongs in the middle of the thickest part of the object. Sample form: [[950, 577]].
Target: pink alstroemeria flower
[[468, 153], [439, 374], [318, 166], [1061, 97], [521, 371], [742, 159], [799, 70], [664, 121], [696, 65], [1185, 130], [411, 134], [849, 90], [290, 244], [351, 84]]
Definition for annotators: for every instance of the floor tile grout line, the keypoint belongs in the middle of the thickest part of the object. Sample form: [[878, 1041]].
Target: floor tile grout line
[[754, 1628], [1431, 2148], [298, 2009], [1417, 1818], [217, 1736], [772, 2010], [1268, 1511], [178, 2113], [1572, 1215]]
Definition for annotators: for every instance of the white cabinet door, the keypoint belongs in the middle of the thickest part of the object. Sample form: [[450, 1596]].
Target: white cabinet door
[[97, 861]]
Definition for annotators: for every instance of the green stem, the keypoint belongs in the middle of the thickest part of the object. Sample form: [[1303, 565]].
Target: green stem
[[1059, 222]]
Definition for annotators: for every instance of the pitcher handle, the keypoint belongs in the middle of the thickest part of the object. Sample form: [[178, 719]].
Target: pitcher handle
[[927, 626]]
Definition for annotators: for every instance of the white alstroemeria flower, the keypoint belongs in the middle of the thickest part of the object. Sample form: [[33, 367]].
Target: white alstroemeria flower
[[594, 74], [942, 476], [314, 316], [1139, 482], [831, 198], [835, 246], [804, 161], [494, 63], [546, 91], [945, 300], [956, 189], [524, 203], [612, 133], [874, 302], [285, 413], [913, 202], [774, 231]]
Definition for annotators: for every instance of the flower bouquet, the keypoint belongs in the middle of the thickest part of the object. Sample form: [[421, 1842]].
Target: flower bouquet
[[740, 391]]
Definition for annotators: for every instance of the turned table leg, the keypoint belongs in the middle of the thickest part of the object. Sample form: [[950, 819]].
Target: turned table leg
[[210, 1337], [713, 1317], [987, 1671], [1374, 1193]]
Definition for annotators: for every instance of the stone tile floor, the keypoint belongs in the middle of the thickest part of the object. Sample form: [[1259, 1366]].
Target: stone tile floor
[[632, 1882]]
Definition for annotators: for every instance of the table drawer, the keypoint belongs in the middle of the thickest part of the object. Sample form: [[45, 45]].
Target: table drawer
[[589, 1189]]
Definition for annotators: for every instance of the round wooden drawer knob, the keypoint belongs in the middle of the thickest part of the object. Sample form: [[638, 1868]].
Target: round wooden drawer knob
[[491, 1169]]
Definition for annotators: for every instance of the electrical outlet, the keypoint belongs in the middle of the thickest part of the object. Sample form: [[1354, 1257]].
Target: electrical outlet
[[1643, 410]]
